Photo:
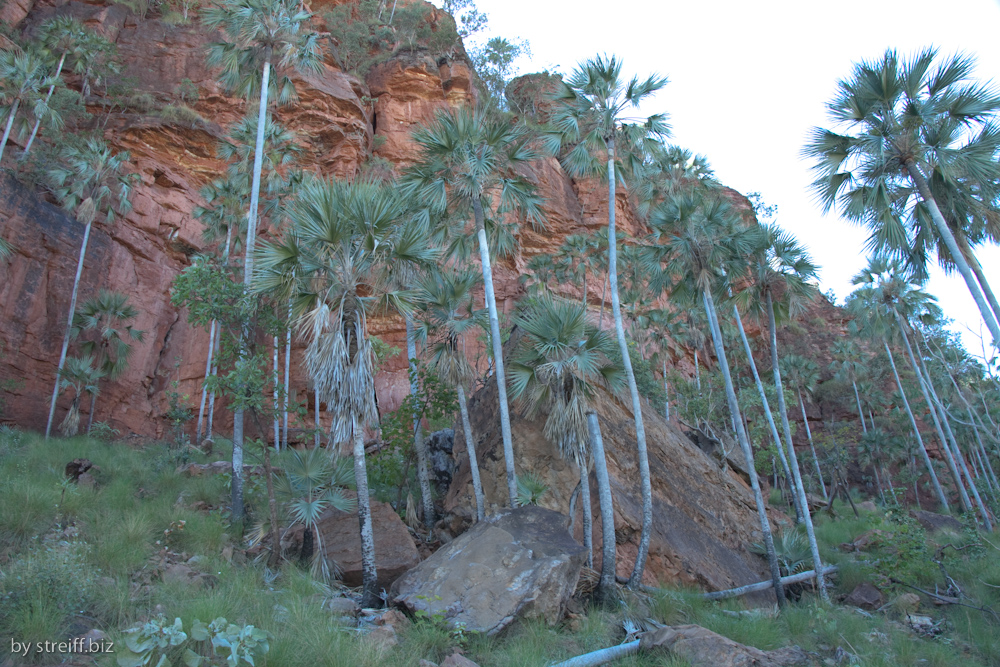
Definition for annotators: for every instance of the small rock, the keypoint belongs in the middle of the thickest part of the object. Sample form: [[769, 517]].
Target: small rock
[[194, 560], [76, 467], [865, 596], [868, 506], [907, 603], [923, 625], [341, 606], [383, 635], [227, 553], [86, 481], [458, 660], [426, 663], [93, 636], [394, 618], [932, 522]]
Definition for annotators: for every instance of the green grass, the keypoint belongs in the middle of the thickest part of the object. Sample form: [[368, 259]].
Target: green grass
[[74, 558]]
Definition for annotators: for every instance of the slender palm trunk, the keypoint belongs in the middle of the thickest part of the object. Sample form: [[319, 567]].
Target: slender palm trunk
[[878, 482], [977, 270], [69, 328], [585, 508], [276, 392], [767, 410], [10, 123], [204, 387], [90, 415], [606, 587], [258, 162], [604, 294], [861, 415], [419, 445], [272, 510], [288, 364], [922, 383], [640, 431], [319, 427], [491, 304], [369, 578], [809, 436], [949, 240], [793, 463], [48, 96], [217, 340], [734, 409], [470, 446], [666, 392], [916, 431]]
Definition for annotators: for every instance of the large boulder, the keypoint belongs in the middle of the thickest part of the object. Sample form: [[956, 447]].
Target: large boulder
[[701, 647], [933, 523], [518, 563], [395, 551]]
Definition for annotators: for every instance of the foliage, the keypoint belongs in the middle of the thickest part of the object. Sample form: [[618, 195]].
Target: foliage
[[530, 489], [494, 66], [159, 637], [104, 432]]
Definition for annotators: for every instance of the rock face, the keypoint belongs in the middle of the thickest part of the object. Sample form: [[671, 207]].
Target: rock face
[[519, 563], [395, 551], [442, 464], [703, 515]]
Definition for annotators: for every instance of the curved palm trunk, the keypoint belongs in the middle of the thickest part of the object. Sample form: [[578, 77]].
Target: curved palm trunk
[[767, 411], [10, 123], [734, 409], [793, 463], [606, 587], [419, 445], [470, 446], [977, 270], [258, 162], [640, 431], [586, 509], [38, 121], [369, 578], [922, 383], [491, 304], [949, 240], [809, 436], [69, 328], [204, 387], [916, 431]]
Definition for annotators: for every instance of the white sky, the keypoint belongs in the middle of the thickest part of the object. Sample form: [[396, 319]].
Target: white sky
[[748, 81]]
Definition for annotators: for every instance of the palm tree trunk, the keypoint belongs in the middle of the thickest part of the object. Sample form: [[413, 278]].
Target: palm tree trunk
[[878, 482], [501, 377], [861, 415], [640, 432], [809, 436], [319, 427], [666, 391], [977, 269], [275, 393], [470, 446], [916, 431], [204, 387], [217, 340], [585, 508], [767, 411], [69, 328], [949, 240], [419, 444], [48, 96], [258, 161], [606, 587], [604, 293], [922, 383], [272, 510], [734, 409], [369, 578], [288, 363], [793, 463], [90, 415], [10, 123]]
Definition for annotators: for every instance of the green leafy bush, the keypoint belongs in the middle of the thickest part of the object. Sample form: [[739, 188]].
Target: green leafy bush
[[158, 637]]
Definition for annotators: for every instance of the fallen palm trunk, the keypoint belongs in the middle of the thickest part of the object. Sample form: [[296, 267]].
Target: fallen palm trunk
[[764, 585], [601, 656]]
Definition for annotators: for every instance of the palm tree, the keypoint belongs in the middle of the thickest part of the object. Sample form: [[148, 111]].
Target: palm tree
[[590, 114], [871, 318], [79, 373], [698, 235], [23, 75], [262, 33], [905, 120], [556, 365], [449, 312], [468, 159], [110, 314], [89, 181], [346, 237], [803, 375], [848, 366], [64, 37]]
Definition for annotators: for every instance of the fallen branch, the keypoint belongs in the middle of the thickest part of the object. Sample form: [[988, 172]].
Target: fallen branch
[[948, 600], [601, 656], [764, 585]]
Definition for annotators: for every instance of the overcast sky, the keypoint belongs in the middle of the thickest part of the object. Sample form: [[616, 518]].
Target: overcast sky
[[748, 81]]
